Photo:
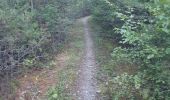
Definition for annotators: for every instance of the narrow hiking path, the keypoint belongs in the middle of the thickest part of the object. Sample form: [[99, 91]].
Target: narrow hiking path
[[74, 71], [86, 83]]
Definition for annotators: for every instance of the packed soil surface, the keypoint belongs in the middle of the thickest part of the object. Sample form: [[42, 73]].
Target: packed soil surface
[[86, 83]]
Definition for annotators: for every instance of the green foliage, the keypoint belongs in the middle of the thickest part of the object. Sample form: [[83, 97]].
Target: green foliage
[[143, 40], [31, 31], [125, 86], [56, 94]]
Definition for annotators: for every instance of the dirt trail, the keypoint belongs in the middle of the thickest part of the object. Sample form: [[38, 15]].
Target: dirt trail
[[86, 88]]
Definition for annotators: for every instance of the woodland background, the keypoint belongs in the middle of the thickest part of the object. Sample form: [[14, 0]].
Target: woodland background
[[31, 31]]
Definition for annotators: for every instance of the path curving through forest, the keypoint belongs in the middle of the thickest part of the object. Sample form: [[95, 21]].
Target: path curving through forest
[[87, 80]]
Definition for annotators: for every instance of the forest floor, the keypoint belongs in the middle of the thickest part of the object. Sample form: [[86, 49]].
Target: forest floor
[[73, 75]]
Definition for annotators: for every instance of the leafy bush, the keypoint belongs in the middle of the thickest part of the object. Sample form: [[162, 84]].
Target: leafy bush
[[143, 41], [30, 32]]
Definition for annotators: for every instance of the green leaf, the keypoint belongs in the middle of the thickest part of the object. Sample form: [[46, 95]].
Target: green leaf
[[167, 51], [55, 96], [150, 56]]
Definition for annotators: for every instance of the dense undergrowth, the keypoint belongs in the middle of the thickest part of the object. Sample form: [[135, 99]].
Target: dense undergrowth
[[139, 66], [31, 32]]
